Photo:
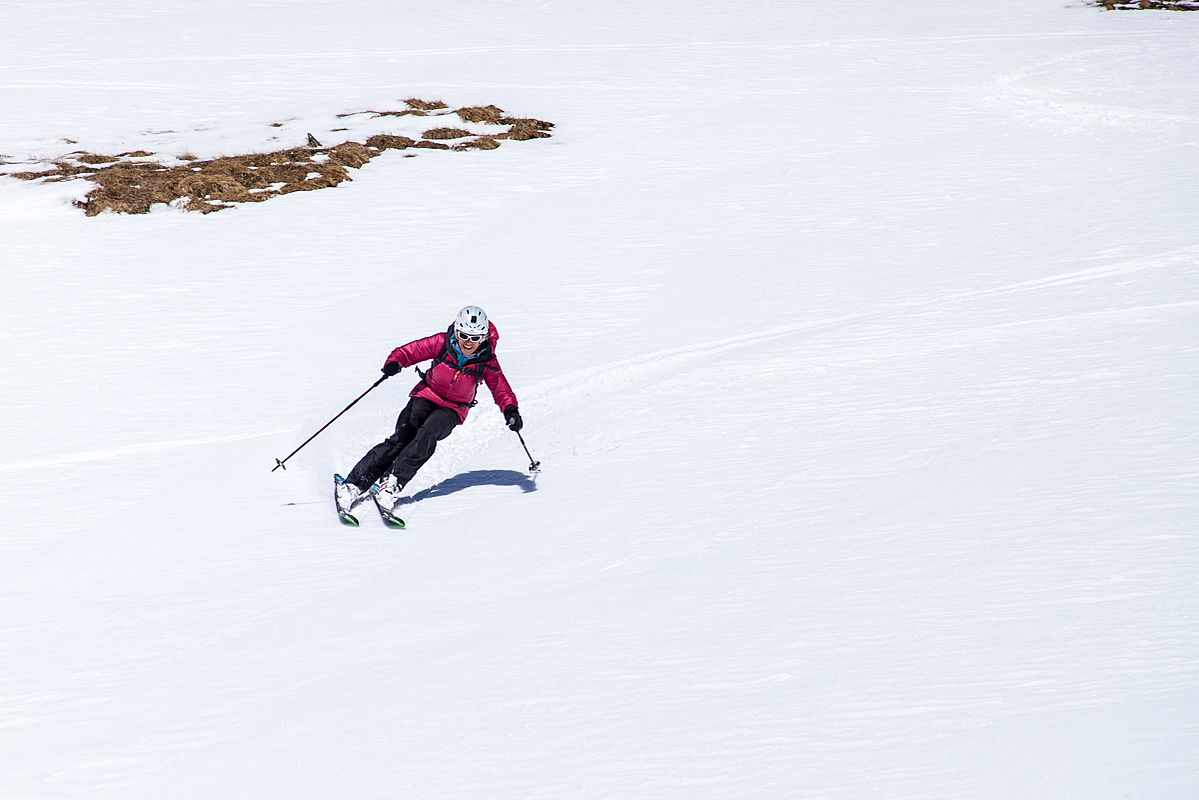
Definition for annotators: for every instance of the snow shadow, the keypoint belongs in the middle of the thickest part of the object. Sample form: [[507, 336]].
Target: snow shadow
[[478, 477]]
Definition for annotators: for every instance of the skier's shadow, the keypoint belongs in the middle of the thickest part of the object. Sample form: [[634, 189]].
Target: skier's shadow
[[466, 480]]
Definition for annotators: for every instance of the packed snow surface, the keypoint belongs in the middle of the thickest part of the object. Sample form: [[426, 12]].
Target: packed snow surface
[[857, 340]]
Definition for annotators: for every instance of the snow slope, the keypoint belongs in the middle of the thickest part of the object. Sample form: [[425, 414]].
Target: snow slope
[[856, 340]]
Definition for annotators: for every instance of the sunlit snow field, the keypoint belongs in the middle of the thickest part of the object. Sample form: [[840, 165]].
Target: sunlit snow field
[[857, 341]]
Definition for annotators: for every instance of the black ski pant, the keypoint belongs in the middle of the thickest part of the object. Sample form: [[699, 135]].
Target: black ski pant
[[422, 424]]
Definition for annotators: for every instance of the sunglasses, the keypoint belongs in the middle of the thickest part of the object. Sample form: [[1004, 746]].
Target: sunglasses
[[470, 337]]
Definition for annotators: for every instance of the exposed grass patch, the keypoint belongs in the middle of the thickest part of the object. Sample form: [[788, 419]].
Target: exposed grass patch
[[350, 154], [133, 182], [384, 141], [93, 158], [445, 133], [481, 143], [425, 105], [207, 186], [523, 129], [479, 114], [1160, 5]]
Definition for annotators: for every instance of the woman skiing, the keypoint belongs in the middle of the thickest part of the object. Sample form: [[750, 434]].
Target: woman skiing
[[463, 357]]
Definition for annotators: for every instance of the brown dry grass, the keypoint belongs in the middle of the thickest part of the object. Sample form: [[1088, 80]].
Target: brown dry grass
[[488, 114], [385, 141], [132, 186], [524, 129], [445, 133], [33, 176], [481, 143], [350, 154], [211, 186], [425, 105], [1160, 5], [208, 186]]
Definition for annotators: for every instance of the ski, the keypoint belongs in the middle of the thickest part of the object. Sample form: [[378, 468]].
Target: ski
[[343, 514], [389, 519]]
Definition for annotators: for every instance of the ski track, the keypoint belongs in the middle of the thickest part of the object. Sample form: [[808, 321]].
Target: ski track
[[128, 451], [1065, 111], [546, 399]]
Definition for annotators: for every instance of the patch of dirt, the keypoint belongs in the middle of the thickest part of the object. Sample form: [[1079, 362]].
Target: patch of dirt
[[125, 185]]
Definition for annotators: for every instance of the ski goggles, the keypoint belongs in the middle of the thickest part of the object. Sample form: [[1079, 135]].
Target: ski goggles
[[470, 337]]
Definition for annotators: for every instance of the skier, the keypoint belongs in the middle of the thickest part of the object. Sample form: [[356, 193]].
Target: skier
[[463, 357]]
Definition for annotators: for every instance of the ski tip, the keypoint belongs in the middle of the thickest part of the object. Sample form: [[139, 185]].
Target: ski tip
[[348, 519], [391, 520]]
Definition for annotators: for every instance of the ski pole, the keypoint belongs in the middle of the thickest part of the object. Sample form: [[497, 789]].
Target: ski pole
[[534, 466], [279, 463]]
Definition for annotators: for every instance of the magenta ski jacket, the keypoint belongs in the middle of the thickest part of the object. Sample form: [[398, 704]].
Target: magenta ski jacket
[[445, 383]]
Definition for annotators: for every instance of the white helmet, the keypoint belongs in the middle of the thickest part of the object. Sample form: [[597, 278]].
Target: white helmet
[[471, 320]]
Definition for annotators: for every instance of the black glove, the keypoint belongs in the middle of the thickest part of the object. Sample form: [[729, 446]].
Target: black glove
[[512, 417], [391, 368]]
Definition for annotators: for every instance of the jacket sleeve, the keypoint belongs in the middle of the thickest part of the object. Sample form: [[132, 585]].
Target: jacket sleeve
[[417, 351], [501, 392]]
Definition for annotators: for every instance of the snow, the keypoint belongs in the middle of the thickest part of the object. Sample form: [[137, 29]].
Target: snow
[[856, 341]]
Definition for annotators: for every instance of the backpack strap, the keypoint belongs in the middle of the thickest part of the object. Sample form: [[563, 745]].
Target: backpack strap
[[443, 355]]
